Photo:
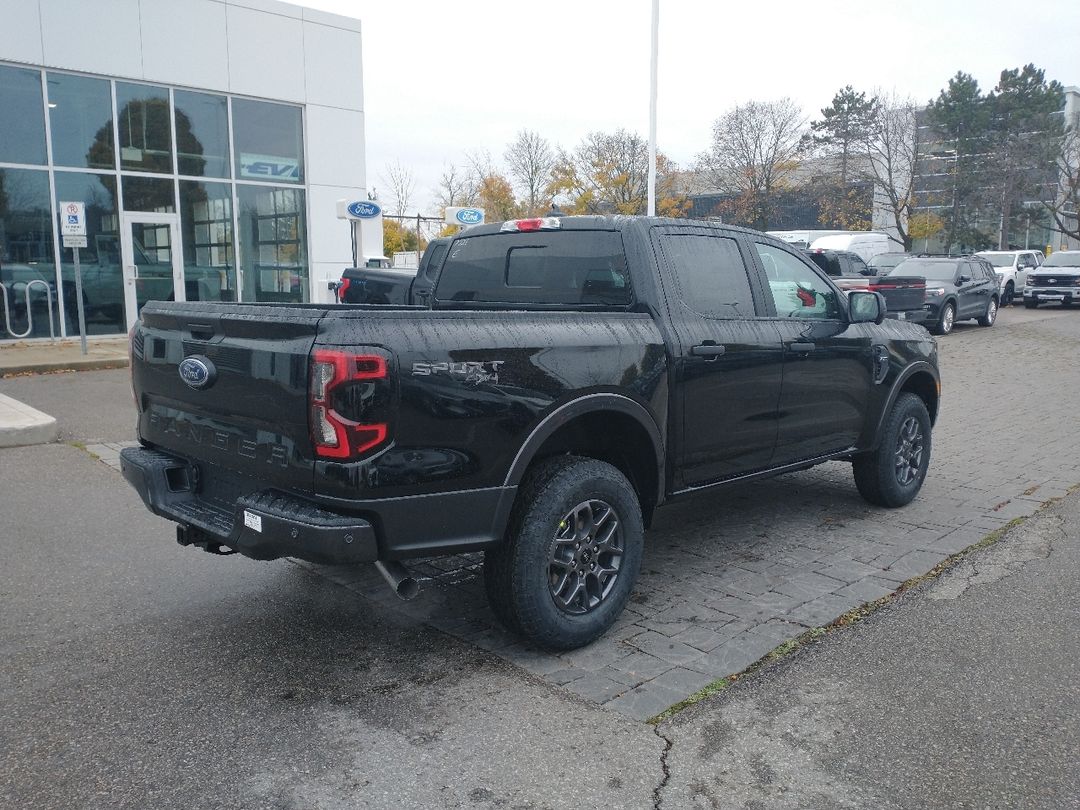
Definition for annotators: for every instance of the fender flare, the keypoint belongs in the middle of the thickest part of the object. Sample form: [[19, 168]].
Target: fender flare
[[915, 368], [590, 403]]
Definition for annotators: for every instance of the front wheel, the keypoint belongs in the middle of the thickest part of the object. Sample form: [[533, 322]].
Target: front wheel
[[893, 474], [1031, 305], [947, 320], [990, 315], [1007, 295], [571, 555]]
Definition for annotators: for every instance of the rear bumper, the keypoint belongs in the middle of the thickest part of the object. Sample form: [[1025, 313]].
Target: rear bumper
[[912, 315], [269, 524], [265, 525]]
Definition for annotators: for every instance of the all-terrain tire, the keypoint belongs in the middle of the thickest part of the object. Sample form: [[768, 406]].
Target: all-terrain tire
[[878, 473], [518, 574]]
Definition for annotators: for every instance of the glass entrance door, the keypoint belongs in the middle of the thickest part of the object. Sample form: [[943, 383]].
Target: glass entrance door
[[153, 270]]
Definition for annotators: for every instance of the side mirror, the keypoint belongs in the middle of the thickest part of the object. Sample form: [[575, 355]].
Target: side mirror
[[865, 306], [963, 279]]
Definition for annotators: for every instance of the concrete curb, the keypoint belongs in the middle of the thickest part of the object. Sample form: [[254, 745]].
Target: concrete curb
[[22, 425], [92, 364]]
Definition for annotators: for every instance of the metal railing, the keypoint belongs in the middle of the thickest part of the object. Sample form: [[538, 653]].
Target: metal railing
[[29, 309]]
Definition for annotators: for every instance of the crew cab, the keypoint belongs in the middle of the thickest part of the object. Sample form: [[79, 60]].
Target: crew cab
[[570, 376], [385, 285]]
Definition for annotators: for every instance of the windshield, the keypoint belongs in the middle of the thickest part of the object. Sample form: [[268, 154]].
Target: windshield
[[1069, 258], [928, 269], [999, 259]]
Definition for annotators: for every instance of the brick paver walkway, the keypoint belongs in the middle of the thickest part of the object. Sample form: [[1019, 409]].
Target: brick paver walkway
[[729, 576]]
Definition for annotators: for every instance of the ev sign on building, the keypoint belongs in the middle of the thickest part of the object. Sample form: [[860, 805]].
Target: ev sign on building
[[466, 217], [73, 224]]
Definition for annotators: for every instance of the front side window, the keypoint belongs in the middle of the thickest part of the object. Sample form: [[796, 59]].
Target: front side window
[[710, 273], [797, 291], [269, 141]]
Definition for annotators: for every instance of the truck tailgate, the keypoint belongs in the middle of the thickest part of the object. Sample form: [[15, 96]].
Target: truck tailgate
[[251, 413], [902, 293]]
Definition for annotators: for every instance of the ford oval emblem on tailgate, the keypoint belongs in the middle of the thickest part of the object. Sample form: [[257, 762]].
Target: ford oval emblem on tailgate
[[197, 372]]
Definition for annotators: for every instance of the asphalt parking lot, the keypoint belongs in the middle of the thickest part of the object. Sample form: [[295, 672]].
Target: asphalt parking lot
[[133, 668]]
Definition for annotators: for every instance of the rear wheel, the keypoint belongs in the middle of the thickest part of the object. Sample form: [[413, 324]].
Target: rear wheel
[[571, 555], [893, 474], [990, 315]]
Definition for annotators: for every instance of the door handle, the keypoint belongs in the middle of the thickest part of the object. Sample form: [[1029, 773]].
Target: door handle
[[134, 268], [708, 350], [801, 347]]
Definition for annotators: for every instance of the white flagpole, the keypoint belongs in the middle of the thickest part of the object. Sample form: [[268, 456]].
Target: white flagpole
[[652, 110]]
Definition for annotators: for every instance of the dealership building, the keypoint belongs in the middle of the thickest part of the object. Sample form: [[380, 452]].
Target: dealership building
[[210, 141]]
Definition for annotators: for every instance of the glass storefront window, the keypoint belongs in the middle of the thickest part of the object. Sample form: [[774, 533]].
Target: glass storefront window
[[206, 226], [22, 116], [103, 283], [80, 121], [269, 141], [273, 243], [148, 194], [202, 134], [26, 253], [142, 114]]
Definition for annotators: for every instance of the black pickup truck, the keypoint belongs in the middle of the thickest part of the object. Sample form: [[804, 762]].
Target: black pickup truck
[[570, 376], [367, 285]]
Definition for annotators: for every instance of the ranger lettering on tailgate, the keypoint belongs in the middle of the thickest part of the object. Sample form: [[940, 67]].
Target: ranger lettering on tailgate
[[176, 423]]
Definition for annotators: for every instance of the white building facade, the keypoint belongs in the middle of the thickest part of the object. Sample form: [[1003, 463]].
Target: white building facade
[[208, 139]]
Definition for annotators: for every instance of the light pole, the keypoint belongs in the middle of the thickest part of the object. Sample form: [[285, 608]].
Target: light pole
[[651, 210]]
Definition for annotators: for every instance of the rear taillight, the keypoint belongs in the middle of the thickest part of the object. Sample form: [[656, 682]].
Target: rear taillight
[[343, 287], [334, 434]]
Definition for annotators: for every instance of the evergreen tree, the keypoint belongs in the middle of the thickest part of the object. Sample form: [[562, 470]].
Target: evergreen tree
[[843, 126]]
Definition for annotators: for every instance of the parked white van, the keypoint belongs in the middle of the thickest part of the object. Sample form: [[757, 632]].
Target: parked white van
[[866, 244]]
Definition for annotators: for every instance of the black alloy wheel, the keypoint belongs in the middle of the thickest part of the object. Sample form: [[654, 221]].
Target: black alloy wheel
[[892, 474]]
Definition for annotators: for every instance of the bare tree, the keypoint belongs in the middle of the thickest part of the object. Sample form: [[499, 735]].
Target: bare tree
[[456, 187], [755, 148], [400, 180], [531, 160], [1065, 205], [893, 147]]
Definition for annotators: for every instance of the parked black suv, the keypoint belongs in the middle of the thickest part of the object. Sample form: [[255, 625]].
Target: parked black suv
[[958, 288]]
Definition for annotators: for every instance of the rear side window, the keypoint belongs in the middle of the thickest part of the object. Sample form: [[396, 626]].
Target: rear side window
[[711, 274], [434, 260], [563, 268]]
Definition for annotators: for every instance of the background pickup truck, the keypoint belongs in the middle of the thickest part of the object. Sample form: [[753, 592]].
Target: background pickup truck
[[366, 285], [570, 376]]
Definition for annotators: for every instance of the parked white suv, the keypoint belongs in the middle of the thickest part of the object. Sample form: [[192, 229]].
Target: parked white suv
[[1012, 267]]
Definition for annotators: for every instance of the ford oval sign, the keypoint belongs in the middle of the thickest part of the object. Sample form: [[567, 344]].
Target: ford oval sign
[[197, 372], [364, 209], [469, 216]]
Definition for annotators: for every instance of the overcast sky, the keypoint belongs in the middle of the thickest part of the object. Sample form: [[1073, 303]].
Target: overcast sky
[[442, 78]]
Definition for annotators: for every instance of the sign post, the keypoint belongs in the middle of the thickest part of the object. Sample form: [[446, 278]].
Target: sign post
[[73, 231]]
